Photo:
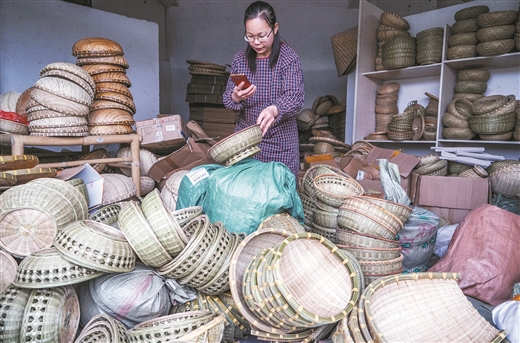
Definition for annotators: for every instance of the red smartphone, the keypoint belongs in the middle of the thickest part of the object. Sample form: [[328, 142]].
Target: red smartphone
[[238, 78]]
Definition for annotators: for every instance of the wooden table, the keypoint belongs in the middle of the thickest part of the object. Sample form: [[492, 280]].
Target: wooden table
[[19, 142]]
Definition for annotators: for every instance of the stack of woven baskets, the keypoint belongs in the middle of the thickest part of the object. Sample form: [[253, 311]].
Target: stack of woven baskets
[[496, 31], [367, 229], [431, 165], [463, 40], [456, 120], [471, 84], [493, 117], [408, 124], [517, 32], [430, 45], [113, 107], [60, 101], [391, 26], [386, 105], [431, 117]]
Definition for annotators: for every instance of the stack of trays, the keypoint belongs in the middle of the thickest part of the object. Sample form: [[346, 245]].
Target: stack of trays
[[113, 107], [386, 105], [496, 31], [60, 101]]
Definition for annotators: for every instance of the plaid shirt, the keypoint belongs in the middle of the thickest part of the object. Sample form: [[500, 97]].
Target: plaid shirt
[[281, 86]]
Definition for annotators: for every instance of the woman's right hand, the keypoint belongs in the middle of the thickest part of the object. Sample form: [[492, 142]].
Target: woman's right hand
[[240, 94]]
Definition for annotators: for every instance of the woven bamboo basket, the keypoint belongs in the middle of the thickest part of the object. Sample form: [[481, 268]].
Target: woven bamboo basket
[[375, 210], [468, 96], [96, 47], [243, 143], [116, 187], [455, 168], [495, 47], [334, 189], [165, 227], [106, 214], [461, 108], [185, 215], [497, 137], [97, 246], [372, 254], [282, 221], [477, 87], [458, 133], [432, 31], [384, 33], [394, 20], [48, 268], [14, 162], [93, 69], [9, 270], [427, 159], [465, 25], [481, 75], [8, 126], [501, 112], [441, 301], [354, 238], [211, 332], [399, 210], [324, 231], [65, 89], [450, 120], [490, 127], [430, 133], [351, 219], [461, 51], [400, 135], [84, 81], [432, 167], [12, 305], [50, 313], [116, 97], [505, 180], [466, 38], [104, 328], [471, 12], [141, 236], [112, 60], [497, 18], [496, 33], [489, 103], [382, 267]]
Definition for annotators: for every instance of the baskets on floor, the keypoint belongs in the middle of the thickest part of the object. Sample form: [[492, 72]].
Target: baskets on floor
[[104, 328], [334, 189], [9, 270]]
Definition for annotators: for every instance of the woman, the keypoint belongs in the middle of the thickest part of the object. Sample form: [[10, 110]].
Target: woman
[[276, 93]]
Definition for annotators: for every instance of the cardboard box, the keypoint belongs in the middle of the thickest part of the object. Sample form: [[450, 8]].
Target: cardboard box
[[453, 197], [91, 178], [163, 134]]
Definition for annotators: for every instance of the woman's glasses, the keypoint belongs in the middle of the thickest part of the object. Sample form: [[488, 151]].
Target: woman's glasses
[[261, 38]]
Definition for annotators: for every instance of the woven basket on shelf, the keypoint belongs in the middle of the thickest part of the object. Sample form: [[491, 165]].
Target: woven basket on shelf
[[432, 31], [481, 75], [430, 133], [450, 120], [497, 18], [394, 20], [400, 135], [497, 137], [461, 51], [468, 96], [466, 38], [496, 33], [456, 168], [471, 12], [458, 133], [439, 299], [465, 25], [491, 127], [495, 47], [478, 87], [489, 104]]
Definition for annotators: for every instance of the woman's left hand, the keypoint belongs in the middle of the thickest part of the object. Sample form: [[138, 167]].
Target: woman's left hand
[[267, 117]]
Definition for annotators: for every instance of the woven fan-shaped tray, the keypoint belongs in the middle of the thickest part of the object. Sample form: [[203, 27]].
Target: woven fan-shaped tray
[[96, 46], [59, 104], [110, 117], [69, 68], [13, 162], [115, 60], [56, 122], [113, 86], [93, 69], [101, 130], [113, 77], [65, 89], [48, 268], [113, 96], [51, 312], [141, 236]]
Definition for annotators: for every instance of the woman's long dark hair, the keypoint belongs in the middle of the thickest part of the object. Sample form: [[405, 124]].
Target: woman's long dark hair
[[261, 9]]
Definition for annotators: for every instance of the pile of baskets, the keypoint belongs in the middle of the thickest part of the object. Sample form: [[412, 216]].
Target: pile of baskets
[[431, 117], [60, 101], [496, 31], [322, 190], [431, 165], [390, 26], [204, 262], [456, 120], [408, 124], [13, 117], [113, 108], [285, 299], [386, 105], [493, 117], [517, 33], [463, 40], [387, 313], [368, 228], [430, 45]]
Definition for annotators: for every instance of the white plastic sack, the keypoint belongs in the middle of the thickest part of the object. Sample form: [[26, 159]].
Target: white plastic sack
[[506, 316], [391, 183], [444, 235]]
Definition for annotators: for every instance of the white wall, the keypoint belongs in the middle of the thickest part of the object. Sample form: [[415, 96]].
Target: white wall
[[36, 33], [212, 31]]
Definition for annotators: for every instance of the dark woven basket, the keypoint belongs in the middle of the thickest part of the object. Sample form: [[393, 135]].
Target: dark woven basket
[[477, 87], [497, 18], [495, 47], [433, 31], [467, 38], [496, 33], [465, 25], [470, 12], [473, 75], [461, 51]]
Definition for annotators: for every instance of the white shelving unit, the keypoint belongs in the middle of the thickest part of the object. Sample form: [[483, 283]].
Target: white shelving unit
[[438, 79]]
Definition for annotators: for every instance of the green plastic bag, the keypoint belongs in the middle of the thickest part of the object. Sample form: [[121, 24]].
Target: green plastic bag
[[243, 195]]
